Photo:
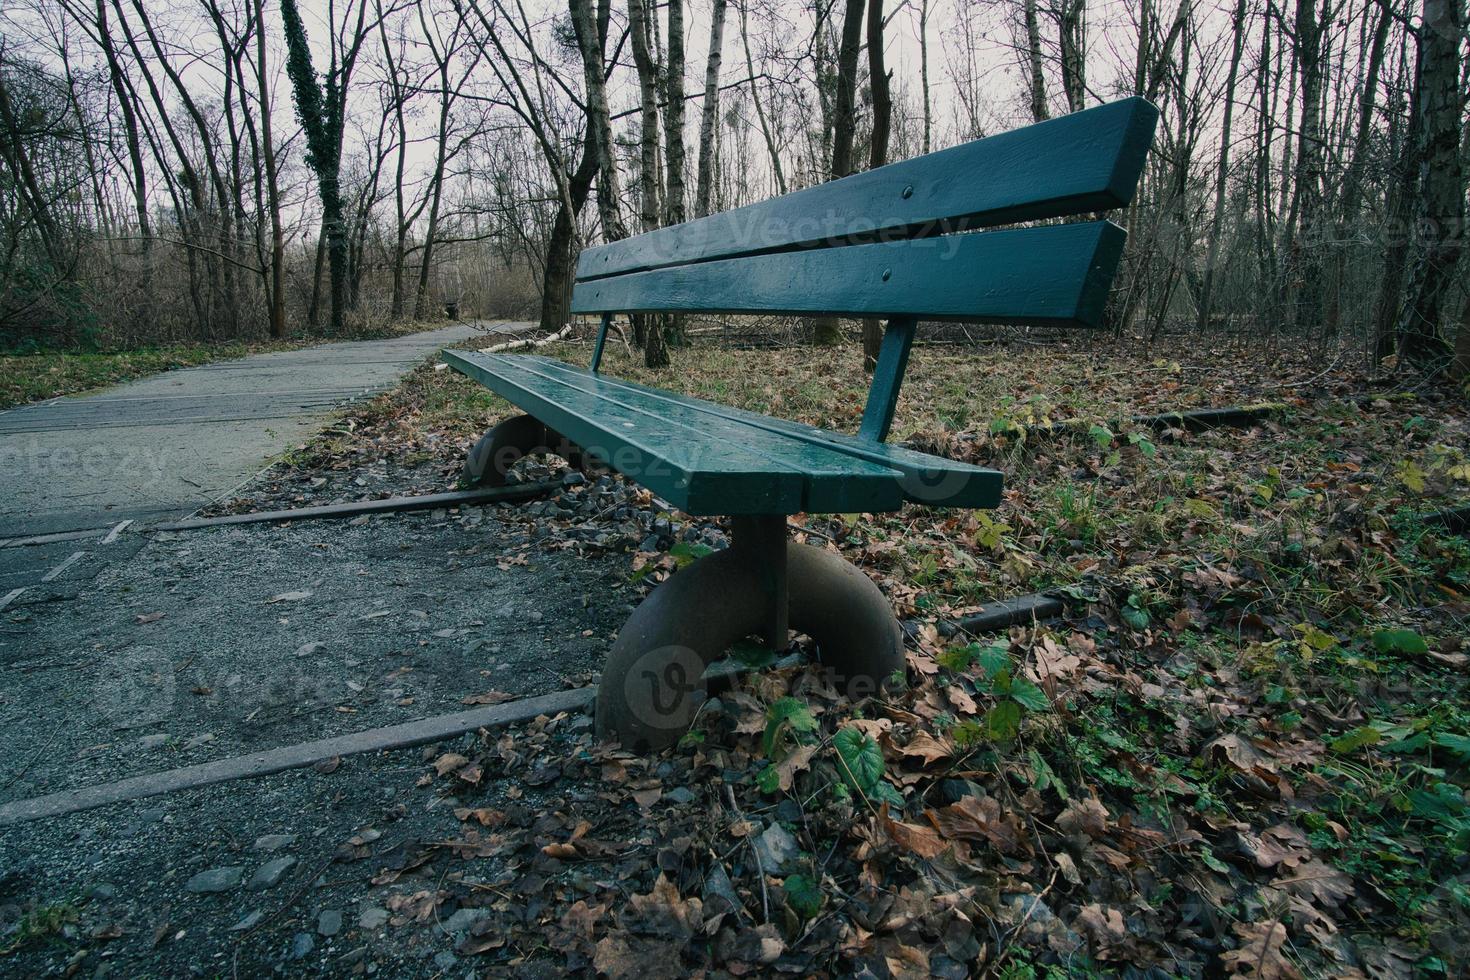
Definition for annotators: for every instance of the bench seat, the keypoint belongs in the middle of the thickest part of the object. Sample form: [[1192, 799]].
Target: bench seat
[[709, 459]]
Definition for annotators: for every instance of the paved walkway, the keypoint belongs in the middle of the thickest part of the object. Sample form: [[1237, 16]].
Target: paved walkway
[[166, 445]]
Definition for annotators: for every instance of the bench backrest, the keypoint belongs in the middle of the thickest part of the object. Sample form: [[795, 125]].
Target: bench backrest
[[885, 243]]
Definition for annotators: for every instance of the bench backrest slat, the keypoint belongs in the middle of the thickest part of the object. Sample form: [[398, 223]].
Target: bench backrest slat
[[1054, 274], [1085, 162]]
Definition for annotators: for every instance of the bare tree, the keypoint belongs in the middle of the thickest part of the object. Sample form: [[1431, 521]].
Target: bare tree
[[1033, 61], [1072, 31], [674, 191], [755, 97], [710, 112], [1222, 169], [879, 78], [1440, 191]]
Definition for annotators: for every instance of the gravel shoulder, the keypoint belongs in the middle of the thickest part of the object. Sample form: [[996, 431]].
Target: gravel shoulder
[[210, 644]]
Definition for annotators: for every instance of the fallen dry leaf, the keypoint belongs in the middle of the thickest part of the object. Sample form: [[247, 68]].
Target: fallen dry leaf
[[923, 841], [489, 697], [1260, 954]]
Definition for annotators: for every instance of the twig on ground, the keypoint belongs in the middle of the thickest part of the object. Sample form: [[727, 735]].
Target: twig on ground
[[528, 343]]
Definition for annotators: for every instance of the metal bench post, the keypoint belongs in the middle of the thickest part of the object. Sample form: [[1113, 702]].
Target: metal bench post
[[893, 357], [762, 540], [601, 339]]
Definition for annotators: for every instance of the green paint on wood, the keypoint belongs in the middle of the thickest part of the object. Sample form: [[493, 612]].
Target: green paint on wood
[[1076, 164], [1056, 274], [709, 459], [893, 359]]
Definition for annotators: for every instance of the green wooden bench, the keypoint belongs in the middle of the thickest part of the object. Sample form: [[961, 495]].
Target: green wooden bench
[[889, 243]]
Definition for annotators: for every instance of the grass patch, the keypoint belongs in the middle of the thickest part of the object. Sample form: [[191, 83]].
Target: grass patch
[[1255, 712], [35, 377]]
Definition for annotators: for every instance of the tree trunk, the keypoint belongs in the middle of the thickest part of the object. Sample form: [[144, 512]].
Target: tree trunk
[[648, 134], [882, 119], [322, 126], [609, 193], [1352, 181], [1305, 254], [675, 209], [1460, 367], [1072, 20], [648, 328], [709, 117], [1222, 172], [924, 72], [130, 122], [760, 112], [826, 331], [277, 289], [1033, 60], [844, 122], [1440, 203], [556, 279]]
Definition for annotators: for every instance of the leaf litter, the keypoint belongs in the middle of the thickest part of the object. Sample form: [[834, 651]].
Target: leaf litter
[[1241, 751]]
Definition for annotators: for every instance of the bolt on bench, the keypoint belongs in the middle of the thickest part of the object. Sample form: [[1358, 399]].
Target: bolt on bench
[[886, 243]]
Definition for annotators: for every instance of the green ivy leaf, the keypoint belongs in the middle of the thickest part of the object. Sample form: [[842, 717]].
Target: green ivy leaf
[[1356, 739], [959, 659], [967, 733], [1458, 744], [1003, 722], [1029, 694], [768, 779], [1143, 443], [1101, 435], [1044, 776], [1442, 802], [1405, 642], [753, 655], [787, 711], [860, 758], [687, 553], [1134, 614], [884, 793], [804, 895], [994, 659]]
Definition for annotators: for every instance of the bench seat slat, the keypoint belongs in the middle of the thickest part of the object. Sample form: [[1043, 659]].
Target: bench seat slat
[[927, 479], [1083, 162], [1057, 274], [702, 464]]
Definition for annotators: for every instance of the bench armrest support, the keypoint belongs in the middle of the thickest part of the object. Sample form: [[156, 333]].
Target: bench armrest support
[[601, 339], [893, 358]]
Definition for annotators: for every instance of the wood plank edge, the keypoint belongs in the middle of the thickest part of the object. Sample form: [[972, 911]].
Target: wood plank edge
[[388, 505], [1006, 612], [407, 735]]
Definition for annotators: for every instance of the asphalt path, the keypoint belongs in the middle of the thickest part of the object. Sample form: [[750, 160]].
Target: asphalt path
[[73, 469]]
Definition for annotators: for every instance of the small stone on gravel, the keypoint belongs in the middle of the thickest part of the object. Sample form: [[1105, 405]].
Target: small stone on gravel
[[215, 880], [372, 918], [776, 848], [150, 742], [303, 944], [248, 922], [269, 875], [462, 920], [329, 923], [445, 960], [274, 842]]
